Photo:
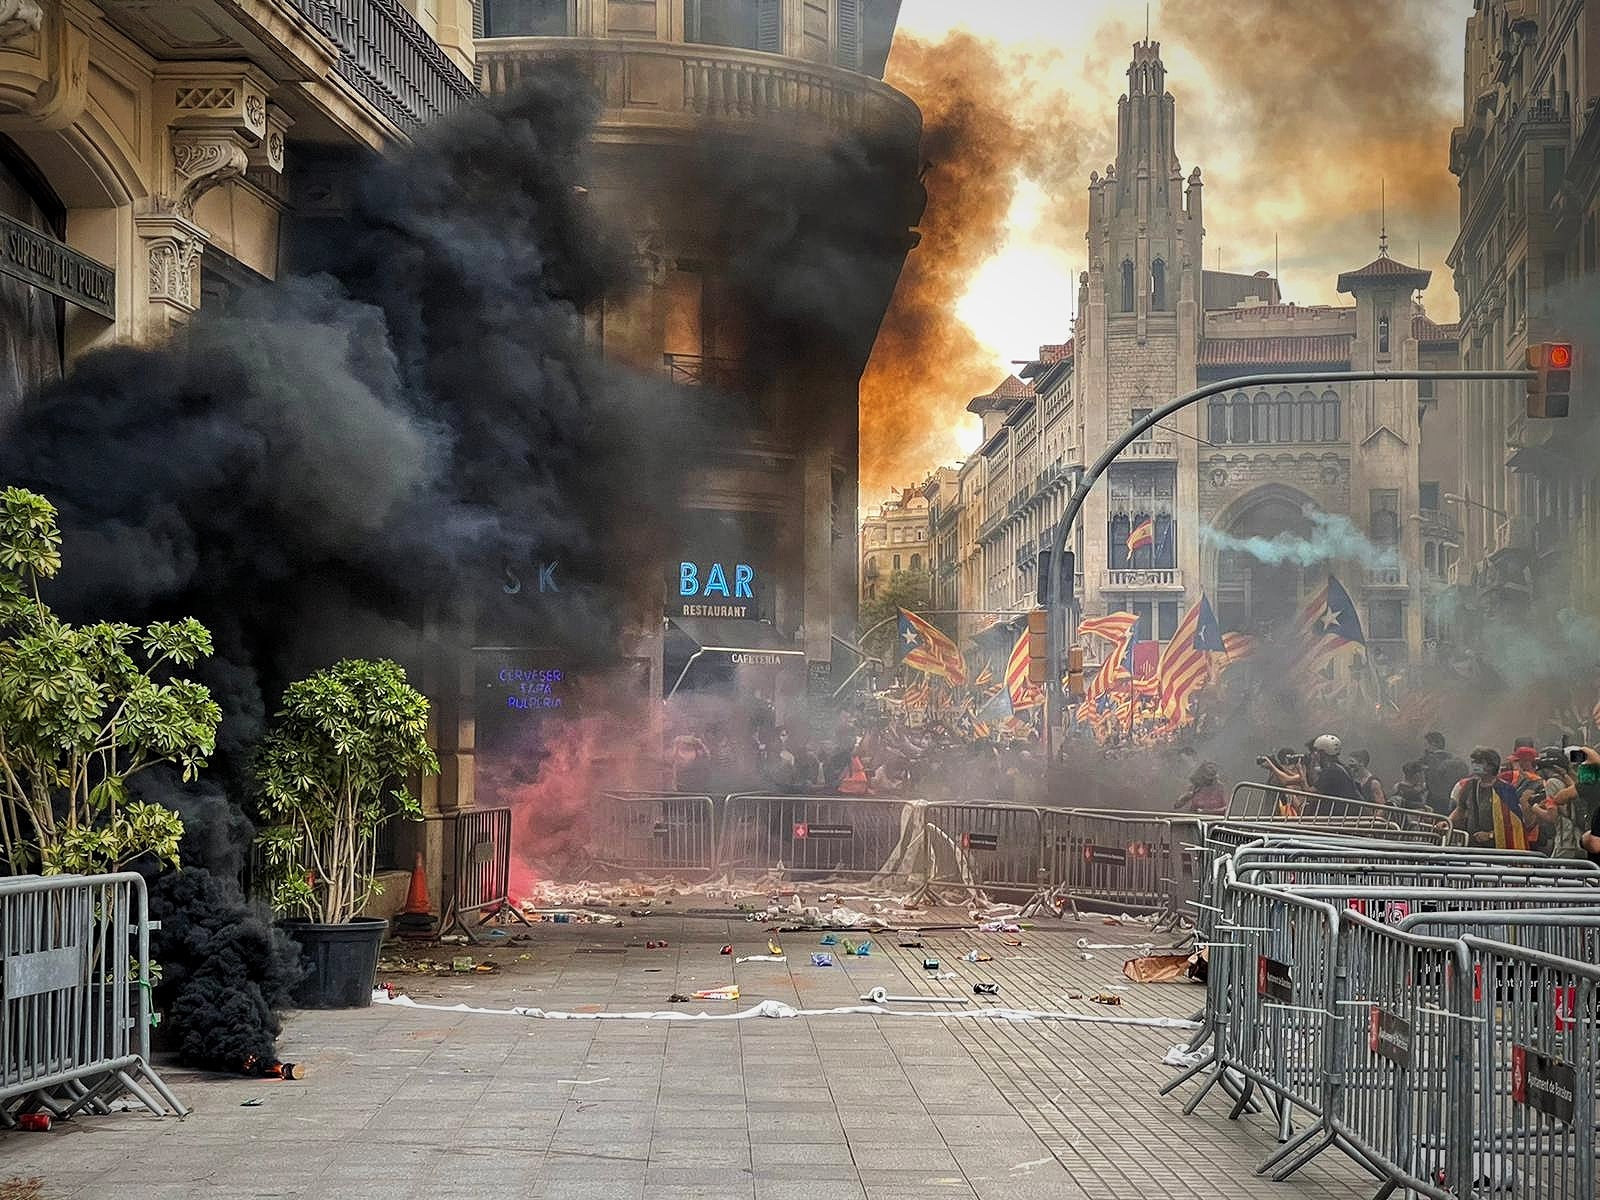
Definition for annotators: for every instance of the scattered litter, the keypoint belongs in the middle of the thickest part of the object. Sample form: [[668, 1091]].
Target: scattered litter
[[36, 1122], [773, 947], [677, 998], [1012, 941], [1161, 968], [1130, 919], [731, 992], [859, 951], [462, 964], [1181, 1056], [762, 958], [945, 976], [999, 927], [653, 970], [580, 1082], [880, 995], [639, 912], [655, 945], [977, 956], [986, 989], [822, 959], [829, 939], [1110, 998], [728, 950], [453, 939], [1143, 948], [777, 1009], [253, 1102]]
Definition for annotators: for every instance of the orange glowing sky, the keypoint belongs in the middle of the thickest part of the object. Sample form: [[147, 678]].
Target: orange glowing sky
[[1299, 114]]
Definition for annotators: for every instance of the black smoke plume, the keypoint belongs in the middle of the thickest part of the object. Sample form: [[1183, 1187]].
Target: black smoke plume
[[347, 460]]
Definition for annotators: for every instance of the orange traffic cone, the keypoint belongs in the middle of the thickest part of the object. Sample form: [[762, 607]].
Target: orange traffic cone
[[416, 918]]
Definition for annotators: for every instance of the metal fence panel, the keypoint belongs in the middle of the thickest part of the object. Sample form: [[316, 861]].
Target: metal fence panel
[[75, 995], [481, 863], [1127, 861], [978, 845], [821, 836], [654, 832]]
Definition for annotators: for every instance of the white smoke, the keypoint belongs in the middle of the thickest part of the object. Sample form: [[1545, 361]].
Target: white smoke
[[1333, 538]]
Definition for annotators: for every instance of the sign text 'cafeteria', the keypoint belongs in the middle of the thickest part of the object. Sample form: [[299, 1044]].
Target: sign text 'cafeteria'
[[716, 590]]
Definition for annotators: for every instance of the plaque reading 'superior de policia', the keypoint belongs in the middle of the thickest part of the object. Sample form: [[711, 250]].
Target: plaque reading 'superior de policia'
[[41, 260]]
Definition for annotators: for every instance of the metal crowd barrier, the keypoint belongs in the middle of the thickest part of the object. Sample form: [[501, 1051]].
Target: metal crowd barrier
[[654, 831], [823, 836], [1134, 862], [977, 845], [1252, 800], [1447, 1063], [75, 996], [481, 864]]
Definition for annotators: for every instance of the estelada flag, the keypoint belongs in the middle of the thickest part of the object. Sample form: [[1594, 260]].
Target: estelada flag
[[1023, 695], [925, 648], [1143, 534]]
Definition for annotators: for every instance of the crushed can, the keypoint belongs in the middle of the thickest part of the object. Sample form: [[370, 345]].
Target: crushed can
[[930, 964], [34, 1122], [986, 989]]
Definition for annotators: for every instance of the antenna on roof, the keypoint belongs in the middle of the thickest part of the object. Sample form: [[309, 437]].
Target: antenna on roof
[[1277, 279], [1147, 22], [1383, 218]]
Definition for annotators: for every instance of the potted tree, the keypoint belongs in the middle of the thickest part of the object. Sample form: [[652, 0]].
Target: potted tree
[[331, 769]]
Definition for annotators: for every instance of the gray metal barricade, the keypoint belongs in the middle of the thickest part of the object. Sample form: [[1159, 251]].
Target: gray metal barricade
[[1122, 861], [976, 845], [846, 837], [75, 996], [480, 859], [654, 832], [1254, 800]]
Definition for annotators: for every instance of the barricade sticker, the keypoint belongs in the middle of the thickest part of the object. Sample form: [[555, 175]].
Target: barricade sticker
[[1566, 1005], [980, 841], [811, 831], [1111, 856], [1543, 1083], [1389, 1036], [1274, 979]]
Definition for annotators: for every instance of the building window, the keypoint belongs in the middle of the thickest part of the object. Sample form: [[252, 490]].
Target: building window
[[1383, 332], [1285, 407], [896, 562], [753, 26], [1241, 420], [1217, 422], [1141, 609], [1430, 558], [1163, 555], [31, 320], [1127, 285], [1117, 542], [525, 18], [1262, 410], [1428, 495], [1385, 620], [1330, 416], [1308, 417], [916, 562], [1158, 286], [1137, 415], [1425, 391], [1166, 619], [1384, 504], [1555, 170]]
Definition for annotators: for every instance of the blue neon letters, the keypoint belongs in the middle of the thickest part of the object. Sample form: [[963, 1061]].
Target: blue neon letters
[[716, 581]]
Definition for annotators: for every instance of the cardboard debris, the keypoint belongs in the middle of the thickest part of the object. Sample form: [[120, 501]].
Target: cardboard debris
[[731, 992], [1161, 968]]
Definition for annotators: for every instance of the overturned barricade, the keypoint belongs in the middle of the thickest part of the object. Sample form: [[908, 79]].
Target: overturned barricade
[[75, 997], [1413, 1007]]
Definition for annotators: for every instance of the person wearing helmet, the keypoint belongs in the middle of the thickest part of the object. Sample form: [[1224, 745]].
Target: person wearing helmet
[[1486, 807], [1332, 776]]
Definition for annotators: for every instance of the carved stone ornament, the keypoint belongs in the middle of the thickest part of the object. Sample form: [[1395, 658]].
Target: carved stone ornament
[[201, 159], [18, 19], [173, 245], [1219, 477]]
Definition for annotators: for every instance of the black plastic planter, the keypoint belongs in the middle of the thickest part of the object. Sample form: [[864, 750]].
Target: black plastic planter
[[342, 961]]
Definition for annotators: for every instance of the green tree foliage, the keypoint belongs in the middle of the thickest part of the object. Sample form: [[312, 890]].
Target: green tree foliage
[[82, 710], [332, 768], [905, 589]]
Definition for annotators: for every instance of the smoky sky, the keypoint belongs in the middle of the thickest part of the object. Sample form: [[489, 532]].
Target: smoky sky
[[353, 454]]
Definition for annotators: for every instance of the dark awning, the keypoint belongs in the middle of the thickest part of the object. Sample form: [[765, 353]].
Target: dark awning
[[692, 640]]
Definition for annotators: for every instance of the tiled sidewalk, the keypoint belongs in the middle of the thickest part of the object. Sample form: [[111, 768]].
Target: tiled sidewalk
[[422, 1103]]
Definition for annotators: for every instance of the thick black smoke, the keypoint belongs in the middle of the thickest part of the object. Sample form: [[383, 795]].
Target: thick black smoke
[[353, 455]]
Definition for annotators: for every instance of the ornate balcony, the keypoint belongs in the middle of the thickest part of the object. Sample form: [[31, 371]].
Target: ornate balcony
[[1151, 449], [682, 86], [1144, 579], [732, 397], [1386, 577]]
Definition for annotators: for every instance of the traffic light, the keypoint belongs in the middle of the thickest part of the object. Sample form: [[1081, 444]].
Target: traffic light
[[1550, 391], [1042, 598], [1075, 670], [1038, 664]]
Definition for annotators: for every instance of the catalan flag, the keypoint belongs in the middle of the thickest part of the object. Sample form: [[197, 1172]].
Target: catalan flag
[[1141, 535], [925, 648], [1186, 663], [1238, 646], [1114, 627], [1023, 694], [985, 679], [1327, 623]]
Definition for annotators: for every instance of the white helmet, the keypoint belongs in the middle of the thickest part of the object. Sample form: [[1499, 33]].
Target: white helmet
[[1328, 744]]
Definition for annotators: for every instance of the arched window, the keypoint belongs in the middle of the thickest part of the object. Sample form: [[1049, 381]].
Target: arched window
[[1383, 331], [31, 319], [1285, 407], [1330, 416], [916, 562], [1217, 422], [1127, 285], [1430, 557], [1158, 286], [1240, 429], [1261, 411], [1307, 407]]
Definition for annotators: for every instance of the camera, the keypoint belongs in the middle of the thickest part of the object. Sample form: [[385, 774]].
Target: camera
[[1576, 756], [1262, 760]]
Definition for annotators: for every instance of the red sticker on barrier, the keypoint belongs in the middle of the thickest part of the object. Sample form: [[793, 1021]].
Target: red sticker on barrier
[[801, 831], [1477, 983], [1566, 999], [1359, 906]]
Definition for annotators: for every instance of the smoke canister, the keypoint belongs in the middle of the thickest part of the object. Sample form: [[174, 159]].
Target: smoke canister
[[34, 1122]]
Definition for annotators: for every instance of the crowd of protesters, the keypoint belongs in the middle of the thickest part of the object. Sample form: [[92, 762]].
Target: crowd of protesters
[[1530, 798]]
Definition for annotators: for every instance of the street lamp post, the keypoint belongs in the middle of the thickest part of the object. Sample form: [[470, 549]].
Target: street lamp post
[[1063, 531]]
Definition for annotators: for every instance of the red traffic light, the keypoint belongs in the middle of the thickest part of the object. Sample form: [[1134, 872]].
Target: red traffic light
[[1560, 356]]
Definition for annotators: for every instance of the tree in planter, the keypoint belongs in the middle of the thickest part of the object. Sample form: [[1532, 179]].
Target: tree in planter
[[330, 771], [83, 709]]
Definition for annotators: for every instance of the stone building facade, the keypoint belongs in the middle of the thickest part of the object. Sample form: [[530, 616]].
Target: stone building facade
[[1527, 158], [1151, 324], [897, 538]]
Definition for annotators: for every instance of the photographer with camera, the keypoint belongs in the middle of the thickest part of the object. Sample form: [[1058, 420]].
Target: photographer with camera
[[1284, 768]]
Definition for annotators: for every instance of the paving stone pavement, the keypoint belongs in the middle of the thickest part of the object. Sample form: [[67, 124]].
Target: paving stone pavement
[[453, 1106]]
